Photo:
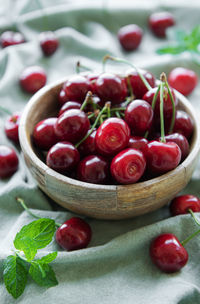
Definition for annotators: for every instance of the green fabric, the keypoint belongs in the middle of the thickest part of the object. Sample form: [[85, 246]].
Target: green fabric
[[116, 267]]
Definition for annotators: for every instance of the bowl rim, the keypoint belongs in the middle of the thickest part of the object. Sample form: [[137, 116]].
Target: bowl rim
[[27, 148]]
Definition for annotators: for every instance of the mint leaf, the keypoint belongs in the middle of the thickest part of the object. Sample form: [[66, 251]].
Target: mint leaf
[[171, 50], [43, 274], [15, 275], [36, 235], [48, 258]]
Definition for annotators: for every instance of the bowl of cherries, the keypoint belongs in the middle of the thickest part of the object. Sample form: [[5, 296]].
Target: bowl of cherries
[[110, 146]]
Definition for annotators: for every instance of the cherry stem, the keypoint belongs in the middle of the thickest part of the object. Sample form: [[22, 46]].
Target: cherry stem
[[118, 109], [162, 125], [93, 126], [108, 109], [173, 106], [108, 57], [130, 87], [155, 98], [80, 66], [184, 242], [91, 115], [5, 110], [86, 101], [21, 201]]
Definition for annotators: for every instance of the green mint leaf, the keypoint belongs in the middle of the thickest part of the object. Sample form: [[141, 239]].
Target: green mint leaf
[[48, 258], [43, 274], [177, 49], [192, 40], [15, 275], [36, 235]]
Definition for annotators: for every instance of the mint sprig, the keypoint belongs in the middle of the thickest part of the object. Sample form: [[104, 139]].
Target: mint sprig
[[36, 235]]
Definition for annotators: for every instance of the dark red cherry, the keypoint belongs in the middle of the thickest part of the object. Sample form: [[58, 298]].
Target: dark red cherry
[[183, 80], [162, 157], [112, 136], [62, 97], [183, 124], [138, 87], [68, 106], [160, 22], [139, 116], [138, 143], [181, 141], [128, 166], [76, 88], [62, 157], [130, 37], [8, 161], [181, 204], [72, 125], [110, 87], [48, 43], [92, 77], [167, 253], [44, 133], [11, 38], [11, 127], [74, 234], [32, 79], [93, 169], [88, 146]]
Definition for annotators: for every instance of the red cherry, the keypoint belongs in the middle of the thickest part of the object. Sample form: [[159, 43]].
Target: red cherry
[[62, 157], [72, 125], [181, 141], [32, 79], [74, 234], [128, 166], [167, 253], [138, 87], [48, 43], [62, 97], [68, 106], [11, 127], [162, 157], [76, 88], [130, 36], [8, 161], [138, 143], [93, 169], [88, 146], [11, 38], [139, 116], [183, 80], [182, 203], [44, 134], [183, 124], [110, 87], [112, 136], [159, 23]]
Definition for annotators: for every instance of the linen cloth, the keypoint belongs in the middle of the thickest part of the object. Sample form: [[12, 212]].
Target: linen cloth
[[116, 267]]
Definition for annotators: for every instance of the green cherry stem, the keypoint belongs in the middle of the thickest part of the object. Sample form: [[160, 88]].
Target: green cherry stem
[[173, 106], [79, 66], [184, 242], [155, 98], [86, 101], [21, 201], [162, 126], [132, 97]]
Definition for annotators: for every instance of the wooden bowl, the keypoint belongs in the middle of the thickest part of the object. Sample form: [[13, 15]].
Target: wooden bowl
[[101, 201]]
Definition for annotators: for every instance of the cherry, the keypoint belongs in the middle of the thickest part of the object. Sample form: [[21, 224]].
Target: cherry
[[76, 88], [32, 79], [130, 36], [94, 104], [11, 127], [112, 136], [160, 22], [181, 204], [74, 234], [137, 85], [48, 43], [128, 166], [183, 124], [62, 97], [68, 106], [92, 77], [167, 253], [62, 157], [11, 38], [44, 134], [88, 146], [183, 80], [93, 169], [72, 125], [138, 143], [162, 157], [181, 141], [8, 161], [110, 87], [139, 116]]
